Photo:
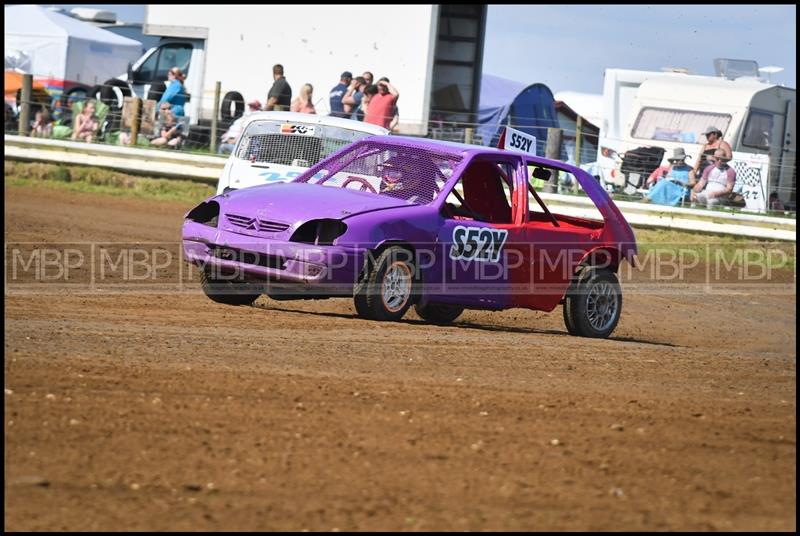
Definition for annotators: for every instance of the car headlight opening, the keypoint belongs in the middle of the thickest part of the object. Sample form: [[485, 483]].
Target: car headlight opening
[[323, 232]]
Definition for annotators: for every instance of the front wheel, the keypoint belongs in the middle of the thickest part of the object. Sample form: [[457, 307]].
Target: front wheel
[[226, 291], [389, 287], [593, 304]]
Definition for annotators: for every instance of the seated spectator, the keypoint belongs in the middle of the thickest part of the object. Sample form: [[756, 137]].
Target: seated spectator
[[303, 102], [717, 181], [175, 94], [86, 123], [170, 130], [233, 133], [775, 202], [671, 186], [382, 106], [42, 125]]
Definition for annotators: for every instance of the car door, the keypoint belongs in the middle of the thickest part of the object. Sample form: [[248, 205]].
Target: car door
[[478, 240], [554, 247]]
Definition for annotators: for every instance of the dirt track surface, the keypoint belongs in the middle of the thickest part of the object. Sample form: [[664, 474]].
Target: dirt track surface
[[166, 411]]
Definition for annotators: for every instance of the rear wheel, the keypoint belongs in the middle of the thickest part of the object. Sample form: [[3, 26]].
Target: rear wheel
[[226, 291], [389, 288], [439, 313], [593, 304]]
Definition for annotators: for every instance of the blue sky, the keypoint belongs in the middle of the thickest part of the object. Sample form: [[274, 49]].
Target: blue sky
[[567, 47]]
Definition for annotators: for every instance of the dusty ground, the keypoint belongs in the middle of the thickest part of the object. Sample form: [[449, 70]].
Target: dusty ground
[[145, 410]]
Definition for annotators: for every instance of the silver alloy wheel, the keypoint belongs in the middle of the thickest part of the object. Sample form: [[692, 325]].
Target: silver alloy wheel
[[396, 286], [602, 305]]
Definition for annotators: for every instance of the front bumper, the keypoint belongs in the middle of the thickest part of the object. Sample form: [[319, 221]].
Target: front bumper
[[327, 269]]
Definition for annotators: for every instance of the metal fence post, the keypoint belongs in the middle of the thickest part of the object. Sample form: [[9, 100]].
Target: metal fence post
[[217, 91], [25, 104], [553, 152]]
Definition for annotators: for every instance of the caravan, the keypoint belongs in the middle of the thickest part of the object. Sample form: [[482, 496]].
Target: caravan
[[672, 109]]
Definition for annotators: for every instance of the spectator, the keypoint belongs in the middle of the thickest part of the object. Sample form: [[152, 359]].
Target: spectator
[[775, 202], [175, 94], [42, 126], [717, 181], [303, 103], [86, 124], [672, 186], [11, 120], [171, 131], [368, 77], [338, 91], [279, 97], [369, 93], [352, 99], [381, 108], [714, 141], [231, 136]]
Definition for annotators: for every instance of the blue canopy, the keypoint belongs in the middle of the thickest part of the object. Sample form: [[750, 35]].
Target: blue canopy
[[529, 108]]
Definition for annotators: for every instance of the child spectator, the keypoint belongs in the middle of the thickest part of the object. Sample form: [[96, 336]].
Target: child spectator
[[775, 202], [171, 131], [86, 124], [42, 125], [303, 103]]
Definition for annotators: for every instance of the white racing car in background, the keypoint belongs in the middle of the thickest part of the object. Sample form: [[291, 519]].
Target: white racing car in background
[[279, 146]]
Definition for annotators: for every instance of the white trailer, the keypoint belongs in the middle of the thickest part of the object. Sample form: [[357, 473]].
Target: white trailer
[[431, 53]]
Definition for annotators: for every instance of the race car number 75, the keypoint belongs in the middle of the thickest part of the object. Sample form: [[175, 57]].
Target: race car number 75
[[477, 243]]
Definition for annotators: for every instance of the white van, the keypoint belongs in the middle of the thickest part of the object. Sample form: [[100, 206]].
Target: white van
[[279, 146]]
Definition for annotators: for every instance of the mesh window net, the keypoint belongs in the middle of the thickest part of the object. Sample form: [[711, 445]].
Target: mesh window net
[[412, 174]]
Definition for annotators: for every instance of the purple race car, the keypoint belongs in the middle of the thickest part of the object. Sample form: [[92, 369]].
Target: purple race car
[[395, 222]]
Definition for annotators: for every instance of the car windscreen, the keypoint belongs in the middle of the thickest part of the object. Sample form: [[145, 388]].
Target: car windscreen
[[293, 143], [412, 174]]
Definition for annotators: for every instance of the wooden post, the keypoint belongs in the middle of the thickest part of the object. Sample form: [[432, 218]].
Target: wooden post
[[578, 140], [137, 108], [25, 104], [468, 132], [553, 152], [217, 91]]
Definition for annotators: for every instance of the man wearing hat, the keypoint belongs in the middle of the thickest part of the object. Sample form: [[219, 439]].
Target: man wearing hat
[[714, 141], [717, 181], [338, 91], [675, 181]]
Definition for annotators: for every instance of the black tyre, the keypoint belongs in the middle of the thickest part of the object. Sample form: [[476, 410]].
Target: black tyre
[[389, 288], [593, 304], [225, 291], [439, 313], [156, 91], [113, 93], [232, 106]]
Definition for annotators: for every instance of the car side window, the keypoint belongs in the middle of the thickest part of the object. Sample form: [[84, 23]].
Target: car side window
[[483, 193]]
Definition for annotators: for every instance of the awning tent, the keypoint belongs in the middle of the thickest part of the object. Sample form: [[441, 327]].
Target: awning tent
[[54, 46], [526, 107]]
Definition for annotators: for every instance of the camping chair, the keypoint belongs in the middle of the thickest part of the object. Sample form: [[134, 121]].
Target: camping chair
[[101, 113], [638, 164]]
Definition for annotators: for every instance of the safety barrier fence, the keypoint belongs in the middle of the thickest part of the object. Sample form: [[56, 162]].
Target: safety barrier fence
[[207, 168]]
